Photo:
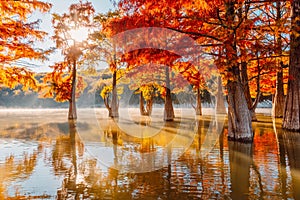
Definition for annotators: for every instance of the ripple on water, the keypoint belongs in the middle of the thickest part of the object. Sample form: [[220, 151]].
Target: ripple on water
[[188, 177], [15, 148]]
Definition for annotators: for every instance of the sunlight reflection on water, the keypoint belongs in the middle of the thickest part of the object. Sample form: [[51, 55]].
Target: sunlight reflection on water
[[41, 157]]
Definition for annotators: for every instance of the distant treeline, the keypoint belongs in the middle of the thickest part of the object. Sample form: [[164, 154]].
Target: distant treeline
[[16, 98]]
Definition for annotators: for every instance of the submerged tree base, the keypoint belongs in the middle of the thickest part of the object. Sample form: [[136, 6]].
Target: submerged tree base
[[242, 140], [113, 115], [169, 120], [239, 116], [293, 130]]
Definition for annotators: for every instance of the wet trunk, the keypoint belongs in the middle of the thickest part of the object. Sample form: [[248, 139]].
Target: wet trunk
[[278, 103], [145, 111], [291, 119], [245, 82], [169, 110], [198, 106], [72, 101], [106, 103], [240, 157], [114, 108], [220, 103], [239, 116]]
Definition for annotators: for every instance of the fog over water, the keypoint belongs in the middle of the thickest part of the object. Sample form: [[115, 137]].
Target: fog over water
[[43, 155]]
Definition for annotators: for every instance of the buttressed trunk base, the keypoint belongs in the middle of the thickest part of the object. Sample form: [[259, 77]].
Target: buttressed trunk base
[[148, 110], [239, 116]]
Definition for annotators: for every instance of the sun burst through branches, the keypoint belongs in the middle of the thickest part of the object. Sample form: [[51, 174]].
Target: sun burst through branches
[[79, 34]]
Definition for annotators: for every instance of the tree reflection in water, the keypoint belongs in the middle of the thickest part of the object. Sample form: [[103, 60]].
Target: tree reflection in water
[[13, 169], [290, 149], [240, 157], [268, 168]]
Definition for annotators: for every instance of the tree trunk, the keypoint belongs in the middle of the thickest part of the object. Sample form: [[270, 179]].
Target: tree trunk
[[220, 103], [245, 82], [169, 110], [239, 116], [149, 105], [148, 110], [291, 120], [278, 103], [110, 112], [72, 100], [114, 112], [198, 106], [142, 108]]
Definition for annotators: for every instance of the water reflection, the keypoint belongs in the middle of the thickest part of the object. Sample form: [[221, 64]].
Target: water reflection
[[240, 158], [290, 151], [48, 160]]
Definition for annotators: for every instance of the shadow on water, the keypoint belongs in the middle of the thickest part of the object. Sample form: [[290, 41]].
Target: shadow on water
[[49, 161]]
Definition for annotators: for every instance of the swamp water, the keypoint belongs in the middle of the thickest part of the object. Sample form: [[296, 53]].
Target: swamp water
[[43, 156]]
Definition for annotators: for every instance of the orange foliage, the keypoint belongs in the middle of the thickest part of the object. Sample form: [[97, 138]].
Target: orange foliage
[[238, 38], [58, 83], [18, 35]]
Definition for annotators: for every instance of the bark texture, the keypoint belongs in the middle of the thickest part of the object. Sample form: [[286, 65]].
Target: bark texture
[[168, 110], [220, 103], [145, 111], [239, 116], [278, 103], [245, 81], [114, 99], [72, 101], [291, 119], [198, 106]]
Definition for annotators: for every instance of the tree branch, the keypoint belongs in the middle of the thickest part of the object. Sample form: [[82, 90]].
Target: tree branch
[[195, 34]]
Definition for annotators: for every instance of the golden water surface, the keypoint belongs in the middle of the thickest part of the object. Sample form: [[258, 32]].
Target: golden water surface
[[43, 156]]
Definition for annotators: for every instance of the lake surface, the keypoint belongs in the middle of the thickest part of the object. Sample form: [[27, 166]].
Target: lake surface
[[43, 156]]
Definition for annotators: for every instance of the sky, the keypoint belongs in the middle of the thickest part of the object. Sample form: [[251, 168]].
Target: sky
[[58, 6]]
